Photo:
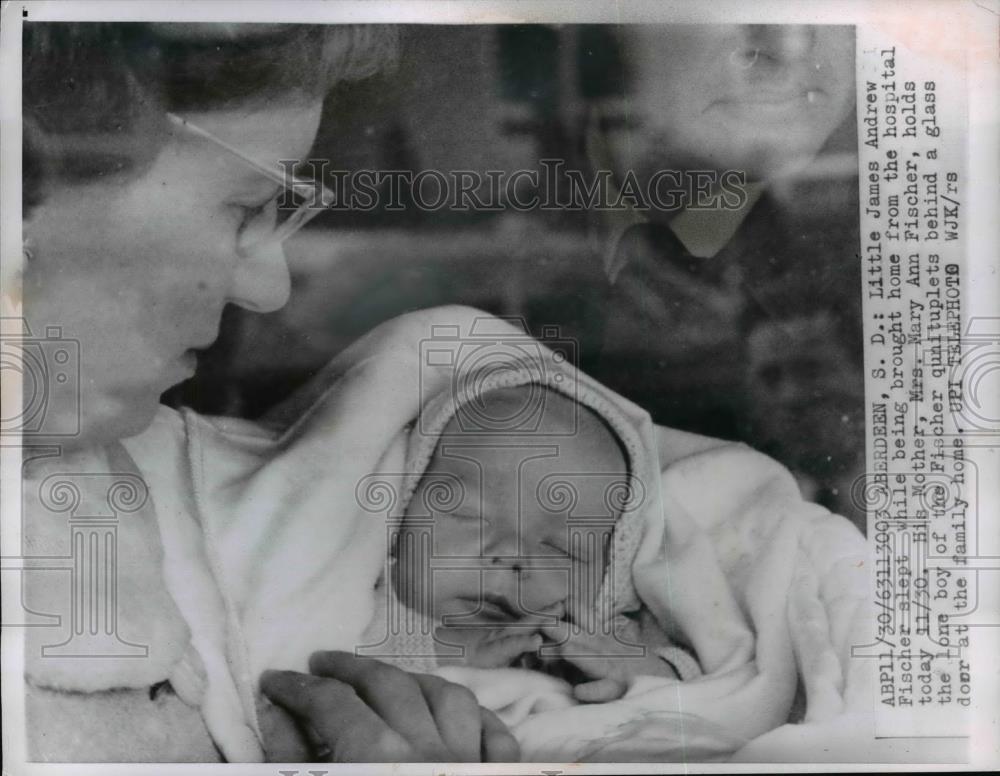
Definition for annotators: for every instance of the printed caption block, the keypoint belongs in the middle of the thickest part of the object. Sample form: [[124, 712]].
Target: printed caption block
[[921, 491]]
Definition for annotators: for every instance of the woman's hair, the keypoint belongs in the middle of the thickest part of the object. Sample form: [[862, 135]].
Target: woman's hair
[[95, 94]]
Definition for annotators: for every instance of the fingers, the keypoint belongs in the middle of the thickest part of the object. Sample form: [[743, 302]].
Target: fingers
[[503, 651], [498, 744], [283, 741], [556, 631], [558, 634], [392, 695], [587, 652], [337, 718], [600, 691], [571, 641], [456, 714], [358, 710]]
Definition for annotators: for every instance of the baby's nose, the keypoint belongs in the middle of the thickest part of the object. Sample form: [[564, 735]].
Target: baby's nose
[[539, 591]]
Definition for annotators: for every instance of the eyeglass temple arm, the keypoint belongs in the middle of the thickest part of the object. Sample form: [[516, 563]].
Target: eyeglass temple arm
[[274, 173]]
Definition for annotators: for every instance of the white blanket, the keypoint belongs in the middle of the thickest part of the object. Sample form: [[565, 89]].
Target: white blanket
[[766, 588], [270, 554]]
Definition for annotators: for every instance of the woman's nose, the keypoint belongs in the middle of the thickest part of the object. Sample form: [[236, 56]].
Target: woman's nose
[[261, 282]]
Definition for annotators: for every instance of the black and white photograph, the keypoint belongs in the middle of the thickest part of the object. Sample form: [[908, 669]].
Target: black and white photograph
[[506, 384]]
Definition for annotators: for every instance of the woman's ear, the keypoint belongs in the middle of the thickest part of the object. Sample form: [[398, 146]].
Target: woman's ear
[[12, 272]]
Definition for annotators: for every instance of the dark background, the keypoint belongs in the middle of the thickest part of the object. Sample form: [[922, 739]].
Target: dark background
[[490, 97]]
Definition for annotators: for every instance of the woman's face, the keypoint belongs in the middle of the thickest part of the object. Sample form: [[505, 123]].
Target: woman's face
[[139, 272], [757, 98]]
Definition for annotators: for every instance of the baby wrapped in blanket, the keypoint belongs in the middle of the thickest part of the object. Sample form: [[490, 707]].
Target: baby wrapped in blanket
[[720, 570], [521, 513], [605, 607]]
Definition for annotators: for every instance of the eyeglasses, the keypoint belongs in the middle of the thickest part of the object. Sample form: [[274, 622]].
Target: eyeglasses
[[271, 225]]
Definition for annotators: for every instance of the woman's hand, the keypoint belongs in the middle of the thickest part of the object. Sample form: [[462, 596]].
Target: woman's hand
[[360, 710]]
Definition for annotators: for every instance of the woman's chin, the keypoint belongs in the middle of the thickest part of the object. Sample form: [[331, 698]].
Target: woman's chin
[[109, 419]]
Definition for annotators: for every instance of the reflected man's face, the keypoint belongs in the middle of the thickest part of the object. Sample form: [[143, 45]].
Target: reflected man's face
[[759, 98]]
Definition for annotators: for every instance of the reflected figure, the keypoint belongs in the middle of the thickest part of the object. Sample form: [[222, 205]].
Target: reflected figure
[[758, 98], [686, 283]]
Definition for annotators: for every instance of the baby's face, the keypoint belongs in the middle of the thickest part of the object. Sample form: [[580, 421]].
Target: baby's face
[[498, 506]]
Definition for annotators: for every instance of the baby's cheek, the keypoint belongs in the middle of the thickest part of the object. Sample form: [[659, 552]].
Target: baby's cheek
[[455, 591], [587, 580], [546, 589]]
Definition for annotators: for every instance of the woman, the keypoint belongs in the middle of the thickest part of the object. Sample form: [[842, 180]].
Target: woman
[[150, 150], [139, 231]]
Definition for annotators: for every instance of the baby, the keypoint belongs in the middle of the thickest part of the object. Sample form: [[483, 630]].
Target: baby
[[520, 498]]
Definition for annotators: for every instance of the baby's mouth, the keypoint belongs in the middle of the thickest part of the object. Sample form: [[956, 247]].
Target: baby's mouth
[[490, 609]]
